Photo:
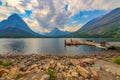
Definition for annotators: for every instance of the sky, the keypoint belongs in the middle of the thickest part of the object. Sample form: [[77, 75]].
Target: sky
[[67, 15]]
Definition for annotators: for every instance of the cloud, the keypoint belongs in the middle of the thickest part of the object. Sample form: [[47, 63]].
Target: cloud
[[78, 5], [85, 16], [72, 29], [47, 14]]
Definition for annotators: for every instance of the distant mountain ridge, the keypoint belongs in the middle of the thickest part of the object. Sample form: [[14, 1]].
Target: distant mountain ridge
[[14, 26], [56, 33], [103, 26]]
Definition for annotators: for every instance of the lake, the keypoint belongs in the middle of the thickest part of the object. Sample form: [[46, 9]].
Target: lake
[[47, 46]]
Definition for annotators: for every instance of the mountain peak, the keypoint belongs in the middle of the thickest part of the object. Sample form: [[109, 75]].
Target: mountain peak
[[55, 30], [14, 16]]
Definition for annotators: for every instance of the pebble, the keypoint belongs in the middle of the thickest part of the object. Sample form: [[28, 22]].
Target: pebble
[[74, 74], [46, 77], [118, 74]]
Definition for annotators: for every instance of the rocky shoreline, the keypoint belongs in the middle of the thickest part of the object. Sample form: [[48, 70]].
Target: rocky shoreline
[[53, 67]]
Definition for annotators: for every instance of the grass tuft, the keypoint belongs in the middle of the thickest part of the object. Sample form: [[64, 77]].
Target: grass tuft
[[117, 60]]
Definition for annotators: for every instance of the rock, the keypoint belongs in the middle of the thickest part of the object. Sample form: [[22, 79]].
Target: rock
[[60, 65], [24, 73], [45, 77], [6, 78], [83, 64], [57, 69], [52, 61], [74, 74], [95, 74], [33, 67], [81, 78], [52, 66], [118, 74], [23, 67], [74, 61], [107, 70], [67, 78], [46, 67], [88, 61], [83, 72], [14, 72], [23, 79], [3, 71], [59, 76], [33, 77], [42, 78]]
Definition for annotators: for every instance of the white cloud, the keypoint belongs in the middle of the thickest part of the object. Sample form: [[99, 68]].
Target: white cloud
[[48, 14], [72, 29], [78, 5], [85, 16]]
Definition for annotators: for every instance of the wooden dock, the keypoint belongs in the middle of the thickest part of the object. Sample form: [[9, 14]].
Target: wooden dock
[[102, 45]]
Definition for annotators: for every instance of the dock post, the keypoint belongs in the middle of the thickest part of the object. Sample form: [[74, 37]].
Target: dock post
[[65, 41]]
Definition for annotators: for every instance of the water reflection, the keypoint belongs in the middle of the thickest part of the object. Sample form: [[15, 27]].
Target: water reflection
[[16, 47], [45, 46]]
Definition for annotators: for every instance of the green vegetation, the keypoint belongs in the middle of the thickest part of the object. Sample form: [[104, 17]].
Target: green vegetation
[[18, 77], [1, 63], [6, 64], [107, 26], [51, 73], [117, 60], [4, 75]]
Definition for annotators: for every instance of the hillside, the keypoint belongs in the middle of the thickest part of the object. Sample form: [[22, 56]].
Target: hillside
[[103, 26]]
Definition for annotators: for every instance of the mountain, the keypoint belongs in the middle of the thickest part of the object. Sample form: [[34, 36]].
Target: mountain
[[14, 26], [103, 26], [56, 32]]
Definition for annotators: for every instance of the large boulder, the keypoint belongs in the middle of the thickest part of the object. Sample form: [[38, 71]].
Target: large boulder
[[14, 72], [83, 71]]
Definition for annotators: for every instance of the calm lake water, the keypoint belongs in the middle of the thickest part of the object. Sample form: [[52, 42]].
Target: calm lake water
[[47, 46]]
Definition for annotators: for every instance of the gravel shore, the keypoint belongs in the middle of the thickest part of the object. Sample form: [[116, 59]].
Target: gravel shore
[[53, 67]]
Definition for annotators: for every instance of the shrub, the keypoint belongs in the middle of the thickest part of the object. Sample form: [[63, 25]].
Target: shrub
[[51, 73], [117, 60], [1, 63], [8, 63]]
